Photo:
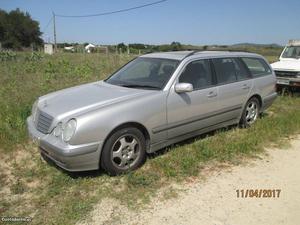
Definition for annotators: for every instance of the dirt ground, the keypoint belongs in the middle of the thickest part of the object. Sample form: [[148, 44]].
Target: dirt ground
[[214, 201]]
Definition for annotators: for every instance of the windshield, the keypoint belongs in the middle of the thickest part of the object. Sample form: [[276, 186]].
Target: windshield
[[145, 73], [291, 52]]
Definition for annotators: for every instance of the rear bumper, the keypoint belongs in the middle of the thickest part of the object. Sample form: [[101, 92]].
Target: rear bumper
[[69, 157], [268, 100]]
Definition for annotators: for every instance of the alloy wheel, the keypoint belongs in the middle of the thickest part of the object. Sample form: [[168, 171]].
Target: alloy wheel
[[251, 112], [126, 151]]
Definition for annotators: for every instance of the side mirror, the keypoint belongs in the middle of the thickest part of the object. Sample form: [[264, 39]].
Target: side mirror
[[183, 87]]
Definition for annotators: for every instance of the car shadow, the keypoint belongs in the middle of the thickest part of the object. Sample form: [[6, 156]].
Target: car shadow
[[74, 175], [189, 141], [293, 92]]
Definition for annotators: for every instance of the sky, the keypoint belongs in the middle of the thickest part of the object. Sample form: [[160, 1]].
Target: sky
[[198, 22]]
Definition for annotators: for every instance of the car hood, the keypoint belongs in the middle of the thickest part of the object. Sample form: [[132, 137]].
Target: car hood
[[287, 65], [80, 99]]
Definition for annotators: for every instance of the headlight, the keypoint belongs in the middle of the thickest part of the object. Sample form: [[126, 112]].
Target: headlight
[[69, 130], [58, 130], [34, 110]]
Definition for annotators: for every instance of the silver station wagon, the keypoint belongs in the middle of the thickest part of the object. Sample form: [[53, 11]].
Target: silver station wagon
[[153, 101]]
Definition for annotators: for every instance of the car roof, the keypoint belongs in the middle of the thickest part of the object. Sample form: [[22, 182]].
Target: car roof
[[180, 55]]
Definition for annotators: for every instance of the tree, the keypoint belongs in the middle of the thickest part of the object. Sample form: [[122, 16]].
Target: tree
[[122, 46], [18, 29], [176, 46], [137, 46], [2, 24]]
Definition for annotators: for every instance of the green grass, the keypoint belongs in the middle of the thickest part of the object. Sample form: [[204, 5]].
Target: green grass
[[23, 80], [31, 187]]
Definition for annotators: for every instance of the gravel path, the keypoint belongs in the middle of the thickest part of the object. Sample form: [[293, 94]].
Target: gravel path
[[215, 202]]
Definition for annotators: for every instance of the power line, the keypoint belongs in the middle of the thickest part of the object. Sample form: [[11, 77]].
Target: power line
[[45, 28], [47, 24], [113, 12]]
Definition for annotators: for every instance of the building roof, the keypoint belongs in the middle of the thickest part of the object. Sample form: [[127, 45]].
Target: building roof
[[89, 46], [180, 55]]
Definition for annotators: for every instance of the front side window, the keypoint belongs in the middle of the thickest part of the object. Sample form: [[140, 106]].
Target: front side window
[[197, 73], [257, 67], [291, 52], [145, 73]]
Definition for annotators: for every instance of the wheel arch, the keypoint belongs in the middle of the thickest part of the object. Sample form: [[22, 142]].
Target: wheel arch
[[259, 98], [137, 125]]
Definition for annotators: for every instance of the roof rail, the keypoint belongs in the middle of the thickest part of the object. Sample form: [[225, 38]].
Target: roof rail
[[232, 50], [191, 53]]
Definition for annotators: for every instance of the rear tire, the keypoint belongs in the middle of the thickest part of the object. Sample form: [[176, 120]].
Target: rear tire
[[251, 113], [124, 151]]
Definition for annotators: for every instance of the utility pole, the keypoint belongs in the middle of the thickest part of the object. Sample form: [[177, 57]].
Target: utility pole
[[54, 33]]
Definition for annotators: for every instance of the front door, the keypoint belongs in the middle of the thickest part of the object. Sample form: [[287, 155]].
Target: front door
[[192, 111]]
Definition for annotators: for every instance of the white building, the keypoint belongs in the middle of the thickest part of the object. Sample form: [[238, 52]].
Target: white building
[[48, 48], [69, 48], [88, 48]]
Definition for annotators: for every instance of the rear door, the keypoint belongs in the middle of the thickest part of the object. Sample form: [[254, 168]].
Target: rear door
[[234, 85], [263, 79]]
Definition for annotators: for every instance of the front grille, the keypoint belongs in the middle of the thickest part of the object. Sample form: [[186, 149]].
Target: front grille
[[291, 74], [44, 122]]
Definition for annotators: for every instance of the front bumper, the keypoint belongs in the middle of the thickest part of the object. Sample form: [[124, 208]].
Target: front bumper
[[288, 81], [69, 157]]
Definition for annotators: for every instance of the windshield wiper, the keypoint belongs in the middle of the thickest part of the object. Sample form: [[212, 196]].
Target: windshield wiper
[[140, 86]]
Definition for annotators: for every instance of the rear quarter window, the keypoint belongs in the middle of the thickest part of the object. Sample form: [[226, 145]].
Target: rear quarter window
[[258, 67]]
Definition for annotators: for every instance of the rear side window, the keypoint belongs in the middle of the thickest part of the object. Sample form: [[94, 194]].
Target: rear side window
[[197, 73], [229, 70], [258, 67]]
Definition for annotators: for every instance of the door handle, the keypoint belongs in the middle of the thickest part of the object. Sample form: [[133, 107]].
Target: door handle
[[211, 94], [245, 86]]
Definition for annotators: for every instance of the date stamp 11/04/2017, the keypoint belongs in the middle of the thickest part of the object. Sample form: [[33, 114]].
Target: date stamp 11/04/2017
[[258, 193]]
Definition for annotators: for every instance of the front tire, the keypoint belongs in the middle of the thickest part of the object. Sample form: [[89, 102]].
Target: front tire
[[124, 151], [250, 113]]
